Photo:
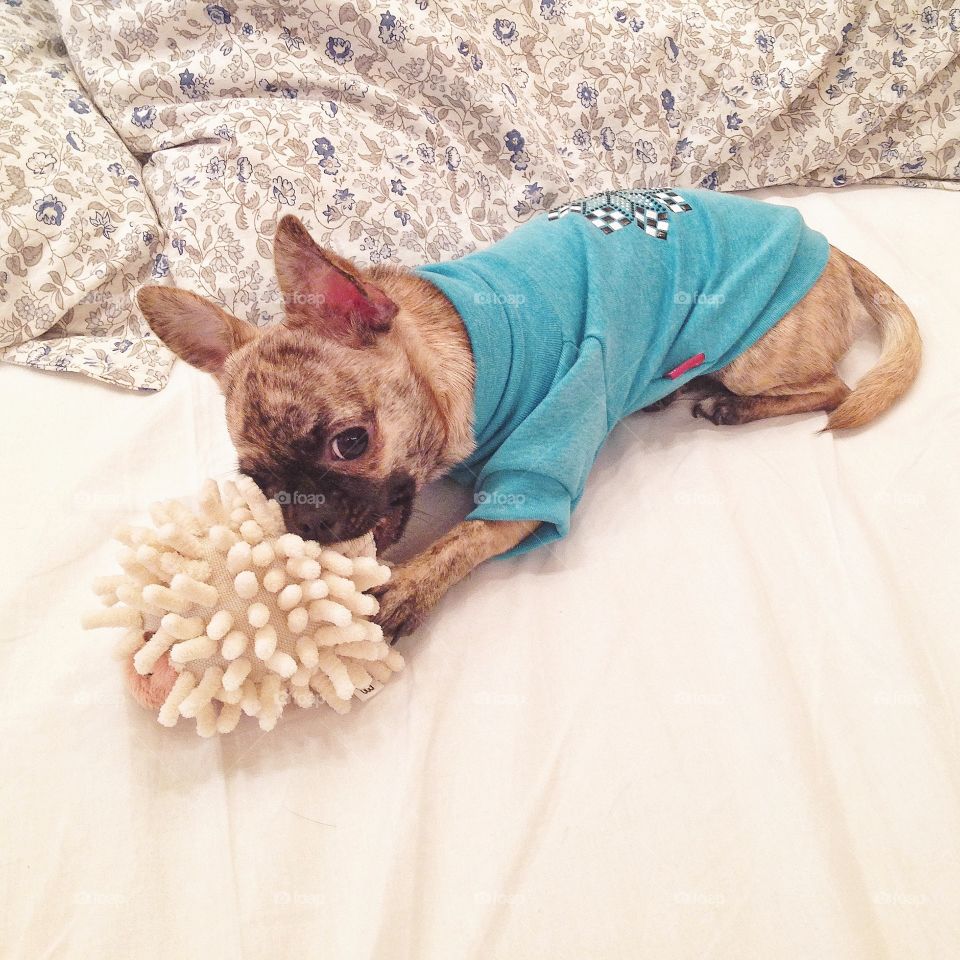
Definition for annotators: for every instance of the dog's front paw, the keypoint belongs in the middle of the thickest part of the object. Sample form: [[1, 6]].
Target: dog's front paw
[[721, 410], [404, 603]]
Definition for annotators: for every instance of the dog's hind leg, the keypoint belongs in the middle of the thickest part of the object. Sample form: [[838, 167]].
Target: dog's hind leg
[[792, 368], [724, 407]]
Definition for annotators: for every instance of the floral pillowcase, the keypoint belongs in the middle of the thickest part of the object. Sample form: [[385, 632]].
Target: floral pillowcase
[[78, 233]]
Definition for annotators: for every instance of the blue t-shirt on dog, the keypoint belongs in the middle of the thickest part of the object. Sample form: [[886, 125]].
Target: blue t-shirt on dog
[[603, 306]]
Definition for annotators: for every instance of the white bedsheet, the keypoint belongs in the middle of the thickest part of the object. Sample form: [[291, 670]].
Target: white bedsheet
[[718, 721]]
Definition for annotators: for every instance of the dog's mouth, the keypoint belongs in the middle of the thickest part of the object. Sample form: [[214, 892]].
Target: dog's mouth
[[389, 528], [347, 508]]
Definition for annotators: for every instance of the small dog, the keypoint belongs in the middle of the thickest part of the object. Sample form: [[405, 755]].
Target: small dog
[[380, 380]]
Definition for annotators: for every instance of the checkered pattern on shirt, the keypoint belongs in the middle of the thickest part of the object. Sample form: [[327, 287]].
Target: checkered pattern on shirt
[[612, 210]]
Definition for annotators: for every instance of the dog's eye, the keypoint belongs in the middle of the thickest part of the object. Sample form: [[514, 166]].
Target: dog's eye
[[349, 444]]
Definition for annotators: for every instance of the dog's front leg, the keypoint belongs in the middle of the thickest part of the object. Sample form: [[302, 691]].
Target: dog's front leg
[[417, 585]]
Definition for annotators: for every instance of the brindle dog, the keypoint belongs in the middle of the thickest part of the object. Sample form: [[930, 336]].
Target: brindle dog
[[364, 394]]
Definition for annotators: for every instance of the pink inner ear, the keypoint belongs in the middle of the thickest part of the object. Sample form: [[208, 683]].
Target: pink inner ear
[[322, 293], [342, 297]]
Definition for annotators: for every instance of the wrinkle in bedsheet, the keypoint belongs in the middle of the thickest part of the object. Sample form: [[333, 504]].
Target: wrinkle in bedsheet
[[718, 720]]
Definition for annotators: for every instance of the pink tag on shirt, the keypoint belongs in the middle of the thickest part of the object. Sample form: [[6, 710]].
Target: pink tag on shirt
[[687, 364]]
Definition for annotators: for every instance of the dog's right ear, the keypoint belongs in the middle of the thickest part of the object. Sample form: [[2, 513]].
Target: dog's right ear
[[194, 328], [326, 293]]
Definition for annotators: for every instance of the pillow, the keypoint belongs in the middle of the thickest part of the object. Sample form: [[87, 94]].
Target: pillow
[[78, 233], [394, 141], [411, 132]]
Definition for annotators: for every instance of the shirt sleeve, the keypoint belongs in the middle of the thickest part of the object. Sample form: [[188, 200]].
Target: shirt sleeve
[[540, 470]]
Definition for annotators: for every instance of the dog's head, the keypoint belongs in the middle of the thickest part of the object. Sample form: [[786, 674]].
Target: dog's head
[[326, 411]]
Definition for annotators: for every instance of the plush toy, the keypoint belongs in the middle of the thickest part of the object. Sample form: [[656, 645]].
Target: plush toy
[[225, 612]]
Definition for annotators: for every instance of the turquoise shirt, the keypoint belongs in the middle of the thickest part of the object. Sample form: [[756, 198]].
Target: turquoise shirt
[[603, 306]]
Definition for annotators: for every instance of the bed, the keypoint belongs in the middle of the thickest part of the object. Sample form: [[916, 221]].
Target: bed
[[719, 720]]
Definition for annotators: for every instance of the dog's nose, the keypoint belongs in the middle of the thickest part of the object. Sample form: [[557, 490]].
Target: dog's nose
[[305, 520]]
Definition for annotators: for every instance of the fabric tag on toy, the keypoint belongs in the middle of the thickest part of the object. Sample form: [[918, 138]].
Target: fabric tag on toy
[[370, 690], [687, 364]]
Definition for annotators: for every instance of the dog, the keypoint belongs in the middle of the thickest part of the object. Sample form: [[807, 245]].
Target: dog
[[370, 386]]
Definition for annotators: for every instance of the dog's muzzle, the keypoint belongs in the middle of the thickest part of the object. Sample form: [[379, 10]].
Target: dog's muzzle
[[338, 507]]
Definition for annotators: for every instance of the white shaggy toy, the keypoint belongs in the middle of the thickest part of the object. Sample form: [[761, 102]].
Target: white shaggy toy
[[227, 613]]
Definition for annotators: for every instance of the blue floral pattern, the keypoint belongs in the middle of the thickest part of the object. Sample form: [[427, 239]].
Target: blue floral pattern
[[410, 132], [78, 233]]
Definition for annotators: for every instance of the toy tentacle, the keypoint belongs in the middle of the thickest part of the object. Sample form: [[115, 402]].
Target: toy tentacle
[[290, 546], [129, 643], [229, 696], [170, 709], [161, 596], [194, 591], [258, 615], [245, 585], [314, 589], [379, 670], [223, 538], [183, 518], [358, 675], [331, 636], [196, 648], [180, 540], [283, 664], [219, 624], [211, 506], [112, 617], [145, 659], [250, 701], [331, 612], [322, 686], [234, 645], [307, 652], [182, 628], [336, 672], [251, 531], [239, 557], [298, 620], [336, 563], [361, 650], [263, 554], [236, 674], [394, 660], [265, 641], [172, 563], [290, 596], [202, 693], [303, 568], [207, 720], [131, 594], [229, 717], [361, 604]]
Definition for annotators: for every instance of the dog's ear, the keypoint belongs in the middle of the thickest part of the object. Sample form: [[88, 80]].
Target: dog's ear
[[194, 328], [327, 292]]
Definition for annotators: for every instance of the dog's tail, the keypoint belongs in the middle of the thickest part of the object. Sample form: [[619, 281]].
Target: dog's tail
[[900, 350]]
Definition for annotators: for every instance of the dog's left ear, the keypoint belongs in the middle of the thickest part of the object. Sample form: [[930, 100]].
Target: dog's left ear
[[327, 292]]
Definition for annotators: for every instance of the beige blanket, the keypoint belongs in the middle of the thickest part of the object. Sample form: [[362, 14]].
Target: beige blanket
[[409, 132]]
